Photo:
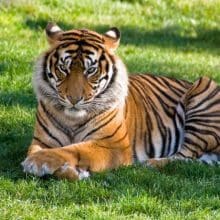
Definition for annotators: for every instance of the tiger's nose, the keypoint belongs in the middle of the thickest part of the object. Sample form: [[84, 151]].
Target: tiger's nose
[[74, 100]]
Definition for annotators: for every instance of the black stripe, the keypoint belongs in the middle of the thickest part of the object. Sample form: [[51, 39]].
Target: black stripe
[[181, 154], [138, 113], [168, 110], [199, 123], [71, 33], [122, 138], [88, 52], [162, 130], [40, 141], [182, 82], [111, 135], [178, 118], [79, 43], [96, 36], [81, 126], [126, 109], [104, 77], [135, 129], [151, 144], [100, 126], [215, 114], [82, 34], [84, 43], [93, 41], [168, 142], [198, 137], [138, 86], [58, 125], [191, 142], [44, 75], [191, 150], [150, 82], [111, 82], [203, 101], [47, 131], [200, 103], [177, 91], [204, 109], [205, 89], [203, 132], [145, 143], [152, 104], [148, 149], [71, 51], [200, 120]]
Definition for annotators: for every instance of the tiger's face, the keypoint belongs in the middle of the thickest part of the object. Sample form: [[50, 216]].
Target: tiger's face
[[80, 72]]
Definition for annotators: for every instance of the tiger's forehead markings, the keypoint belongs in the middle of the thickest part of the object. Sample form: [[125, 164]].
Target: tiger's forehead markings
[[80, 46], [83, 34]]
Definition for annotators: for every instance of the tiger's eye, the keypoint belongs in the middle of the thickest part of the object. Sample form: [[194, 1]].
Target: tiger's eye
[[91, 71]]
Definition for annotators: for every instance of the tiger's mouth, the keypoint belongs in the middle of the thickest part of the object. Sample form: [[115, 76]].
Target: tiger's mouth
[[74, 112], [73, 109], [69, 106]]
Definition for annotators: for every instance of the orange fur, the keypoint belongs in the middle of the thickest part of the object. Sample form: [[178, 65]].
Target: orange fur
[[92, 117]]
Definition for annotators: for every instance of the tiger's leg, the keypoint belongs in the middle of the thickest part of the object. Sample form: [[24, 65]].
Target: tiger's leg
[[73, 161], [161, 162], [208, 158], [202, 124]]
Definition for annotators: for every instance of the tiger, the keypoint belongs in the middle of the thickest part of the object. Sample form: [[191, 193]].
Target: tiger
[[93, 116]]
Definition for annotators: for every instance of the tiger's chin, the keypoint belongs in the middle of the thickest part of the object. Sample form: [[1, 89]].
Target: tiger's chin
[[75, 113]]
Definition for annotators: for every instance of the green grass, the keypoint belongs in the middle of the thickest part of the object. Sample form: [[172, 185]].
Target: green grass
[[175, 38]]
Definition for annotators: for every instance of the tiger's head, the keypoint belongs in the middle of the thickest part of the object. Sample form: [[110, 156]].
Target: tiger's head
[[80, 72]]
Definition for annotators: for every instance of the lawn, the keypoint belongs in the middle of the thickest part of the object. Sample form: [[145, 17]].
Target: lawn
[[177, 38]]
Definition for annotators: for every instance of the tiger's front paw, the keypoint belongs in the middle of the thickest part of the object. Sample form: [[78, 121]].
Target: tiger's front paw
[[42, 162], [52, 162]]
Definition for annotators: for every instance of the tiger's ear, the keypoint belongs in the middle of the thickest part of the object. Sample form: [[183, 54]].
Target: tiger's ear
[[112, 39], [53, 32]]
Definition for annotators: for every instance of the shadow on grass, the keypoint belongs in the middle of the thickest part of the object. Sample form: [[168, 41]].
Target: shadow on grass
[[14, 141], [25, 98], [3, 67], [168, 37], [15, 133]]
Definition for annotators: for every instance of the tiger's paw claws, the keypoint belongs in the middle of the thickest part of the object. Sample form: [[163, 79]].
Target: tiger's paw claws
[[38, 169]]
